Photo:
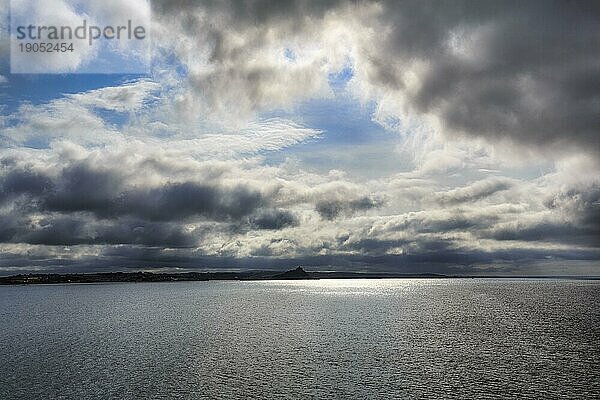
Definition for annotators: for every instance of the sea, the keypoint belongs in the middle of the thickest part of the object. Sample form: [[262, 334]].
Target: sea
[[307, 339]]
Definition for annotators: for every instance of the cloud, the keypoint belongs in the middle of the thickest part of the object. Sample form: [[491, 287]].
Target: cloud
[[24, 181], [124, 98], [62, 13], [488, 69], [55, 120], [85, 55], [80, 229], [549, 231], [583, 202], [87, 119], [182, 200], [200, 165], [235, 54], [274, 219], [476, 191], [71, 196], [84, 186], [526, 73], [331, 209]]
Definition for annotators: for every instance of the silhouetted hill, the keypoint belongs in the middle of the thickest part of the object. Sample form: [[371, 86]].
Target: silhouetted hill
[[297, 273]]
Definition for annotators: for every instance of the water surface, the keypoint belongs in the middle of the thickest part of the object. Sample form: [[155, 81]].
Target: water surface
[[360, 339]]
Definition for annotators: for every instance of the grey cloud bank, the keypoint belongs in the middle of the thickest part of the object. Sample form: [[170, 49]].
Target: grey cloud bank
[[192, 219]]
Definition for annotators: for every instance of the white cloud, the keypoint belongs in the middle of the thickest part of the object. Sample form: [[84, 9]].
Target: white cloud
[[85, 19], [124, 98]]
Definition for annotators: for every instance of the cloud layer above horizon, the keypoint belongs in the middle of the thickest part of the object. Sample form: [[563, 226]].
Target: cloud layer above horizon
[[459, 137]]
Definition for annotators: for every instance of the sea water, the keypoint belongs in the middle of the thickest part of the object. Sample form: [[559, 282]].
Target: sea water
[[311, 339]]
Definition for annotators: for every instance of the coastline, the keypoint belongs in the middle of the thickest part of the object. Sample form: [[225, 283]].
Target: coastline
[[296, 274]]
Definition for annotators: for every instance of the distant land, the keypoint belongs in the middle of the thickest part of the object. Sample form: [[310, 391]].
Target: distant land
[[295, 274], [298, 273]]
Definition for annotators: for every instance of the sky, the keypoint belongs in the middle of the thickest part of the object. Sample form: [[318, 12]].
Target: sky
[[458, 137]]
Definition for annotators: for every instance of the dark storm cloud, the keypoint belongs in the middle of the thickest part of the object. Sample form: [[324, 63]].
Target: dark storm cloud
[[331, 209], [82, 187], [251, 12], [530, 70], [561, 232], [23, 180], [182, 200], [105, 192], [86, 203], [273, 219], [81, 229], [10, 225]]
